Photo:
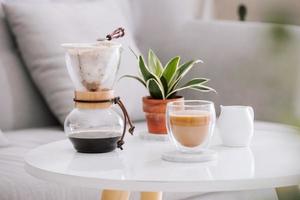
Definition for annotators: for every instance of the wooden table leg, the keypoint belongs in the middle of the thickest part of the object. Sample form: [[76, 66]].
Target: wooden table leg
[[151, 195], [115, 195], [288, 193]]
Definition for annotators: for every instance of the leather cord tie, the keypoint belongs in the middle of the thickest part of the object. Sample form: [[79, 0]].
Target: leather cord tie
[[119, 32], [118, 101]]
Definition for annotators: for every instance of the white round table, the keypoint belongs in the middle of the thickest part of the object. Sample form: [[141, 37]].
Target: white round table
[[272, 161]]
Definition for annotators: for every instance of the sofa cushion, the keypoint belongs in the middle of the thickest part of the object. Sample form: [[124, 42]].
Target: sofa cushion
[[16, 183], [3, 140], [42, 27], [21, 104]]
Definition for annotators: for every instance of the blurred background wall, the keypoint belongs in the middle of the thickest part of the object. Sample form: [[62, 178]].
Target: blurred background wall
[[284, 11]]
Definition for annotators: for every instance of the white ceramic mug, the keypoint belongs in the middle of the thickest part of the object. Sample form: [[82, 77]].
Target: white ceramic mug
[[236, 125]]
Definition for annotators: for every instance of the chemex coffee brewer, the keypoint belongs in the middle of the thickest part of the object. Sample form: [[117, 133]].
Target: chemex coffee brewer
[[94, 126]]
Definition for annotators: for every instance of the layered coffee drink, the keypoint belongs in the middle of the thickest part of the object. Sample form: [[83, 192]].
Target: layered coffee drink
[[190, 124], [190, 127]]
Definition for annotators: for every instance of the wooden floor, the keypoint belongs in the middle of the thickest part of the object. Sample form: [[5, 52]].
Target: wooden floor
[[124, 195]]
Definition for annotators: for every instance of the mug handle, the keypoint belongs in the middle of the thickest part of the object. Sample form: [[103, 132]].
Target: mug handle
[[251, 112]]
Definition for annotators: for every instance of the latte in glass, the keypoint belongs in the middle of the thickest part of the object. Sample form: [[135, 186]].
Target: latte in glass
[[191, 127], [190, 124]]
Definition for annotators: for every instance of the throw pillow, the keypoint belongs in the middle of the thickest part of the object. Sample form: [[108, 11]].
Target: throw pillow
[[21, 104]]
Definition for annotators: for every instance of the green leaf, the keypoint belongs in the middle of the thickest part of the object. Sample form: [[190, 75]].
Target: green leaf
[[155, 89], [173, 95], [170, 69], [154, 64], [192, 84], [164, 84], [181, 72], [144, 70], [174, 85], [134, 77], [196, 81], [146, 73], [186, 67], [203, 88]]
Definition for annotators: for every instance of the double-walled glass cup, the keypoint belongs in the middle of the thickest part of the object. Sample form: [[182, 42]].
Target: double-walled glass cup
[[190, 124]]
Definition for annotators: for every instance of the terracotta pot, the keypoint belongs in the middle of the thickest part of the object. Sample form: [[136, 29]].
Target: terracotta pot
[[155, 112]]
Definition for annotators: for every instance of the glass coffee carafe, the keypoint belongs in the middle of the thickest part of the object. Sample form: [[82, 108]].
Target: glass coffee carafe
[[94, 126]]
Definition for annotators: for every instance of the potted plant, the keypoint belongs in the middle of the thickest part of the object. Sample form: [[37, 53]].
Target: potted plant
[[163, 83]]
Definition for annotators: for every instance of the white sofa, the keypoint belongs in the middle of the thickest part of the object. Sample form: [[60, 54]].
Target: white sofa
[[237, 59]]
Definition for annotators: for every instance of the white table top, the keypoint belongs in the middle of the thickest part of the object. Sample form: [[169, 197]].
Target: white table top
[[272, 161]]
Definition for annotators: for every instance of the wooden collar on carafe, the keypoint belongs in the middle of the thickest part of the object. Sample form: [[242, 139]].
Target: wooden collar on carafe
[[93, 100]]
